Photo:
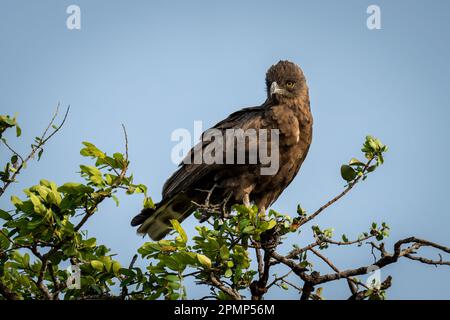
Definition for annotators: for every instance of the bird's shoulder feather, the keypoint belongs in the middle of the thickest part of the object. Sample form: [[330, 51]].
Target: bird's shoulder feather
[[189, 173]]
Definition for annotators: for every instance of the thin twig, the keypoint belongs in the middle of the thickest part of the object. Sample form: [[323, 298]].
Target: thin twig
[[343, 193], [40, 144], [12, 150], [124, 291], [428, 261], [380, 263], [325, 259], [278, 279]]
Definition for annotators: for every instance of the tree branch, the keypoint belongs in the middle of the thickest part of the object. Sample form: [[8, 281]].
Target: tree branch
[[343, 193], [43, 140], [380, 263], [361, 295], [219, 284]]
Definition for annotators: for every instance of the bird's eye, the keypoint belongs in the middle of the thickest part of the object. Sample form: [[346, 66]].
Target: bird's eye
[[290, 84]]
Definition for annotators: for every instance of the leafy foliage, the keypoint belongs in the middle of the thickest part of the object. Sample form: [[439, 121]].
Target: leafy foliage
[[43, 234]]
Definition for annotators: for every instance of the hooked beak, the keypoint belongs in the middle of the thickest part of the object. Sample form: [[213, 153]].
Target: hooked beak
[[275, 89]]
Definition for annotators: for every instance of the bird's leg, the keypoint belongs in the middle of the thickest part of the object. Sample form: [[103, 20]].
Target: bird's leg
[[246, 200], [262, 212]]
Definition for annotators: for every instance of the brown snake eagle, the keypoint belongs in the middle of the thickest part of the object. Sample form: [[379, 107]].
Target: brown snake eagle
[[202, 186]]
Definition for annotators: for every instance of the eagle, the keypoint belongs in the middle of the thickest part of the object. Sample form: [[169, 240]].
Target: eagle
[[198, 186]]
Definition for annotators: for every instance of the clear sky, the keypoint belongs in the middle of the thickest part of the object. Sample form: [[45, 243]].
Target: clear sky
[[157, 66]]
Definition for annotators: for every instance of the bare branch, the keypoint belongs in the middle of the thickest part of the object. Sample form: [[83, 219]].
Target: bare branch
[[12, 150], [277, 279], [259, 287], [428, 261], [296, 252], [43, 140], [325, 259], [220, 285], [126, 141], [380, 263], [40, 282], [259, 261]]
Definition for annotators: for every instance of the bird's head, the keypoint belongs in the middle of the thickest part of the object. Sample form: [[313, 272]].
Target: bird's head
[[285, 81]]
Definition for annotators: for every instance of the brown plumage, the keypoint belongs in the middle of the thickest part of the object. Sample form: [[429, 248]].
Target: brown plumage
[[286, 109]]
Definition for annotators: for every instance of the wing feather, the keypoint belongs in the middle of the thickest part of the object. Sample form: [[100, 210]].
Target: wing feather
[[188, 174]]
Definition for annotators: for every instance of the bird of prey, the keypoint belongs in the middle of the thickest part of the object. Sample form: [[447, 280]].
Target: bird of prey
[[286, 109]]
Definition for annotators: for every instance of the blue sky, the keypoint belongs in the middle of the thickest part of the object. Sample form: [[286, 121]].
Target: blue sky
[[158, 66]]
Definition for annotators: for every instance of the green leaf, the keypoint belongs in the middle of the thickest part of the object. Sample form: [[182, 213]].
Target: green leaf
[[148, 203], [93, 173], [224, 252], [171, 263], [172, 278], [40, 154], [92, 151], [5, 215], [26, 260], [97, 265], [141, 189], [116, 200], [91, 170], [107, 263], [272, 223], [118, 156], [243, 223], [34, 224], [373, 144], [177, 226], [204, 260], [90, 243], [35, 200], [174, 296], [53, 197], [304, 264], [348, 173], [116, 267], [75, 188], [300, 210], [4, 242], [228, 273], [356, 162], [14, 159], [18, 131], [285, 286], [248, 229]]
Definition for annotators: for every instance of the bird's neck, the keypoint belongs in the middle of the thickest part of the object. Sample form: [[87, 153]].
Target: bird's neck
[[300, 104]]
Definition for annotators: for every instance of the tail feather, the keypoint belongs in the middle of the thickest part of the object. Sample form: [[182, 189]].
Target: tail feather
[[141, 217], [156, 221]]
